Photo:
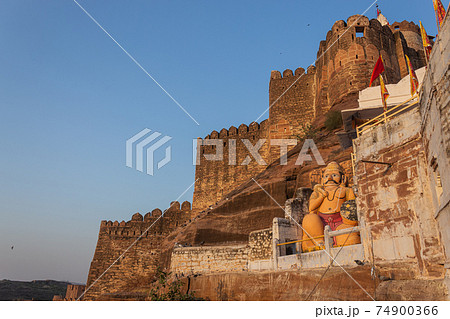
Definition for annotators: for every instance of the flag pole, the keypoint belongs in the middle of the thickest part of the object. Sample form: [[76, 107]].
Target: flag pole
[[383, 100]]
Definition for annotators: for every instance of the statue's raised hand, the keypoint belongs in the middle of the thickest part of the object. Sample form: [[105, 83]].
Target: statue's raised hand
[[318, 188]]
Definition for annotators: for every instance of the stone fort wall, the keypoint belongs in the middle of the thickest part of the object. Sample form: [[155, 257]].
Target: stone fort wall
[[141, 260], [344, 65], [292, 104], [346, 58], [201, 260], [186, 261], [217, 178], [74, 291]]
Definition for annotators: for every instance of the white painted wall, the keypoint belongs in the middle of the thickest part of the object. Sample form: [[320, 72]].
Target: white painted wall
[[400, 92]]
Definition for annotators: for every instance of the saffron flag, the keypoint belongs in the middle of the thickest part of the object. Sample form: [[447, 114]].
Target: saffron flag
[[427, 46], [384, 93], [378, 12], [440, 11], [377, 70], [413, 78]]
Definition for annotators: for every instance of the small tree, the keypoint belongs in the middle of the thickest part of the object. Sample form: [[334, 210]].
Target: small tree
[[307, 131], [165, 291]]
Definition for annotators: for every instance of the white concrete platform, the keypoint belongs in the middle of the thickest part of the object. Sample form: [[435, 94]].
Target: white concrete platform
[[316, 259]]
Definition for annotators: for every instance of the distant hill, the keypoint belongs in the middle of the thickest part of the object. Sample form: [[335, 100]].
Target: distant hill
[[31, 290]]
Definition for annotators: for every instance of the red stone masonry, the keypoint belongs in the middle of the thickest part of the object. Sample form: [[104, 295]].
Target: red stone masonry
[[292, 104], [74, 291], [394, 206], [344, 65], [142, 258], [217, 178]]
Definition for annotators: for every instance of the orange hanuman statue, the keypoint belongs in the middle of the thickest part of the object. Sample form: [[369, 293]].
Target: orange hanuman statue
[[325, 209]]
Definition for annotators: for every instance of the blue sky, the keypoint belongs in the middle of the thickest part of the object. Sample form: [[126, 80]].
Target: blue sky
[[70, 98]]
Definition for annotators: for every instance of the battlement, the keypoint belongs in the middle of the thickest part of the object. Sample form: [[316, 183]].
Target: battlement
[[234, 132], [170, 212], [341, 26], [404, 26], [291, 100], [276, 75], [116, 237], [346, 57], [217, 178], [167, 220]]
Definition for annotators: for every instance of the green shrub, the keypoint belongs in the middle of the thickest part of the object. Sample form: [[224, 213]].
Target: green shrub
[[165, 291], [307, 132]]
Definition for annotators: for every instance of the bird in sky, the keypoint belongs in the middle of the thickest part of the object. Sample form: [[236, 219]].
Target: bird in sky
[[12, 247]]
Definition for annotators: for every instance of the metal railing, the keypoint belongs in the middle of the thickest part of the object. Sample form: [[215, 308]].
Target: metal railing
[[299, 241], [385, 116], [353, 157]]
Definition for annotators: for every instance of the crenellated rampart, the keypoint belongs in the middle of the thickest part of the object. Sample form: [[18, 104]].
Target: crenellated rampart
[[142, 258], [292, 104], [344, 65], [218, 177], [346, 58]]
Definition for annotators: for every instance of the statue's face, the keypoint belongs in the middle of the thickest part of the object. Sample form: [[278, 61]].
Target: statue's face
[[332, 177]]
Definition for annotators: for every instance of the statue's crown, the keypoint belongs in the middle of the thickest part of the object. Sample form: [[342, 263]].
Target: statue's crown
[[333, 166]]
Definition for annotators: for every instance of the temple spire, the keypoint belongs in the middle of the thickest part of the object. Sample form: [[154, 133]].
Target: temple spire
[[381, 18]]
